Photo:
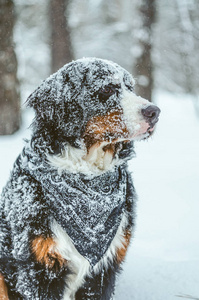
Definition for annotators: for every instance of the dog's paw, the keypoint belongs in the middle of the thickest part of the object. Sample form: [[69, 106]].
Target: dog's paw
[[44, 250]]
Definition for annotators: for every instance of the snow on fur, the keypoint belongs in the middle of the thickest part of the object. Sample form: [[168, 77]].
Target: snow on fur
[[88, 207]]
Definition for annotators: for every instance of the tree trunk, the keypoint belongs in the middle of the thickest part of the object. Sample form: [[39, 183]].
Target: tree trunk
[[144, 66], [9, 96], [60, 40]]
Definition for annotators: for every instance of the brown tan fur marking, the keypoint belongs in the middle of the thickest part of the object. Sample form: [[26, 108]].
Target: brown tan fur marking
[[45, 253], [3, 289], [108, 128], [121, 252]]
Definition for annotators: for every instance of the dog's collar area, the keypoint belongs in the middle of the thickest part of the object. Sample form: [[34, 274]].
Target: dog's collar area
[[100, 158]]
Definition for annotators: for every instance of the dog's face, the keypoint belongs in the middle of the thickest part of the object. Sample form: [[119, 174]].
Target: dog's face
[[90, 103]]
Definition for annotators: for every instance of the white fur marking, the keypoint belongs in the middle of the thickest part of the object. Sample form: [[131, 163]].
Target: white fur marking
[[76, 262], [132, 105], [77, 161]]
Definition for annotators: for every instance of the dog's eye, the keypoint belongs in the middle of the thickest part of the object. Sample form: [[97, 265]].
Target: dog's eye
[[108, 90]]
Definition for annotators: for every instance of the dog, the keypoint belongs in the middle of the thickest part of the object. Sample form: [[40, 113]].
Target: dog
[[67, 211]]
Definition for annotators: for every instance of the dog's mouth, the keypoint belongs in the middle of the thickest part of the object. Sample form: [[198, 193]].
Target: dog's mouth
[[142, 133], [147, 134], [113, 128], [104, 134], [102, 152]]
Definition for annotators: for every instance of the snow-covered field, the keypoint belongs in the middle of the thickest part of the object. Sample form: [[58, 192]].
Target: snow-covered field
[[163, 260]]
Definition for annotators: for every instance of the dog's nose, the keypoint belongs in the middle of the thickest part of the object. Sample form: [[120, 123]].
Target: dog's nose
[[151, 114]]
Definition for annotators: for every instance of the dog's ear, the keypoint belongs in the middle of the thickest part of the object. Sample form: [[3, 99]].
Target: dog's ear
[[41, 100], [36, 98], [57, 104]]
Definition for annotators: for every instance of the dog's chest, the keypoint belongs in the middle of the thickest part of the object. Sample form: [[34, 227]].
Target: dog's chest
[[90, 216], [78, 265]]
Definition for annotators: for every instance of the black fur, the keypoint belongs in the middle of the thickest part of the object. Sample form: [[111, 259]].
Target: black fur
[[63, 104]]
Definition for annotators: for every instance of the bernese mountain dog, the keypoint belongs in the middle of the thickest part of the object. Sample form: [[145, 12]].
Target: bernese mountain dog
[[67, 211]]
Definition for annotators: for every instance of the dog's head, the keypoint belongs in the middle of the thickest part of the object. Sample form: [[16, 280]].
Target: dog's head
[[90, 104]]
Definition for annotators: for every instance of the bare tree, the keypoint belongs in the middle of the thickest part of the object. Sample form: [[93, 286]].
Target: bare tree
[[188, 16], [60, 41], [9, 96], [143, 68]]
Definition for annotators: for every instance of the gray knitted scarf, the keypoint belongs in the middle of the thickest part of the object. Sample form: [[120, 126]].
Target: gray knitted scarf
[[89, 208]]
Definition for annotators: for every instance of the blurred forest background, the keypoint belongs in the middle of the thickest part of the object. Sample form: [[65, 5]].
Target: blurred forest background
[[157, 41]]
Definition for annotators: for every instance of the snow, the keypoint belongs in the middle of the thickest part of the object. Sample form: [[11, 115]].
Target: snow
[[163, 260]]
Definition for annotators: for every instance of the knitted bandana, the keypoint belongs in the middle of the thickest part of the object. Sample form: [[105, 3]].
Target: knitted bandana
[[89, 208]]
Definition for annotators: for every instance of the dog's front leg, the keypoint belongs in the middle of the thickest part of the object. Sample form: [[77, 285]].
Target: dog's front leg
[[44, 250], [3, 289]]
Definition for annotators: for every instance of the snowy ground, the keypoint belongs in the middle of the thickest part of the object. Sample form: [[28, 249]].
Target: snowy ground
[[163, 260]]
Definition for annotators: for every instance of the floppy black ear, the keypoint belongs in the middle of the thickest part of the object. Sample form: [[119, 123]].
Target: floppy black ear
[[41, 99], [34, 100]]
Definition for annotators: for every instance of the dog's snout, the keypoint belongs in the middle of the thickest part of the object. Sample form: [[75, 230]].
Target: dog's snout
[[151, 114]]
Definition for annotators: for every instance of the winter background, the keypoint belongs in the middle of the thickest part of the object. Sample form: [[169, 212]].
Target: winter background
[[163, 260]]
